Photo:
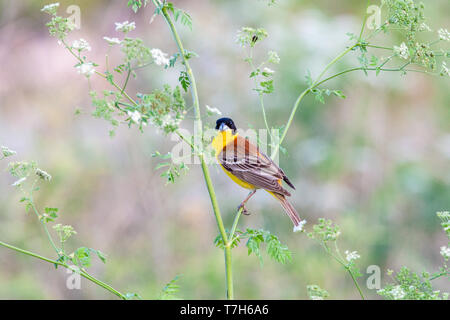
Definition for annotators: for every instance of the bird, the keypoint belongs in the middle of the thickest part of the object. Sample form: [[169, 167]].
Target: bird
[[251, 169]]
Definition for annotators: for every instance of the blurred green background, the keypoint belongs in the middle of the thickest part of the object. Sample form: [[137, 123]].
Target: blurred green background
[[377, 163]]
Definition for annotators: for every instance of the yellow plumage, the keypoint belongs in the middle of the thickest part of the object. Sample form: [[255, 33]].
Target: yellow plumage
[[219, 142]]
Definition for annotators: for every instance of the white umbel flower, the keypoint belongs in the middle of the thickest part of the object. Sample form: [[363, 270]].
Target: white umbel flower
[[112, 41], [125, 26], [7, 152], [445, 71], [159, 57], [50, 8], [213, 110], [445, 252], [43, 175], [81, 45], [300, 226], [398, 293], [135, 116], [402, 51], [268, 71], [19, 182], [273, 57], [86, 69], [444, 34], [350, 256]]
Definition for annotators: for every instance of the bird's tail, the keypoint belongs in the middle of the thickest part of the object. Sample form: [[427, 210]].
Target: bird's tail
[[291, 212]]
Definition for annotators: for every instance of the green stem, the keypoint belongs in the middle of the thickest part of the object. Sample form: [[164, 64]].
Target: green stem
[[299, 99], [31, 202], [235, 223], [229, 272], [260, 95], [199, 127], [65, 265], [355, 282], [126, 80], [364, 22]]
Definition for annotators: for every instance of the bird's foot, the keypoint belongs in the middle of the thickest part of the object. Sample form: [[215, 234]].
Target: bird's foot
[[244, 210]]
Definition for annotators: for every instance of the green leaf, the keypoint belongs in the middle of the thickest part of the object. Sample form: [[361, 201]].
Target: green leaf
[[82, 257], [274, 248], [101, 256], [338, 93], [171, 289], [132, 295], [136, 4], [162, 165], [184, 80]]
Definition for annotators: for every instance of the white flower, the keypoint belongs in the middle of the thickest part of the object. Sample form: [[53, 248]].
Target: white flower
[[19, 182], [268, 71], [43, 175], [398, 293], [444, 34], [112, 41], [273, 57], [7, 152], [445, 252], [135, 116], [402, 51], [50, 8], [350, 256], [125, 26], [168, 121], [159, 57], [445, 71], [86, 69], [300, 226], [81, 45], [424, 27], [213, 110]]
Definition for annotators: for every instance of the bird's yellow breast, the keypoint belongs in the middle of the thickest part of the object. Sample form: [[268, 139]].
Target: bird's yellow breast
[[219, 142]]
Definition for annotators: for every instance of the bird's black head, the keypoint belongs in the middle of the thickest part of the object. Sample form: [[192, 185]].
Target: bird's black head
[[223, 124]]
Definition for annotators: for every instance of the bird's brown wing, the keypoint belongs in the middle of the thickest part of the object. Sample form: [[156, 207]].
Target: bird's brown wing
[[243, 159]]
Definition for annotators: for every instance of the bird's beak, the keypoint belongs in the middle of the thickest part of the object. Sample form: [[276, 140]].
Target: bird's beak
[[223, 127]]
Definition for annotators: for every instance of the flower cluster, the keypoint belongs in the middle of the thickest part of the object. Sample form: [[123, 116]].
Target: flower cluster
[[50, 8], [43, 175], [351, 256], [163, 108], [159, 57], [445, 252], [316, 293], [212, 111], [444, 34], [325, 231], [248, 37], [6, 152], [402, 51], [112, 41], [125, 26], [87, 69], [81, 45]]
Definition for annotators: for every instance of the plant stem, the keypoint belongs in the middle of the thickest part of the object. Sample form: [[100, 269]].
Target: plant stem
[[65, 265], [299, 99], [229, 272], [199, 127], [235, 223]]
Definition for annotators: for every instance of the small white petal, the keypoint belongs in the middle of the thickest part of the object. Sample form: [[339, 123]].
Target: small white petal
[[300, 226]]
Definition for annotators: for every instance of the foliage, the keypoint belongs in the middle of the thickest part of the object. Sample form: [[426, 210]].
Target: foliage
[[408, 285], [274, 248], [171, 289], [316, 293], [165, 109]]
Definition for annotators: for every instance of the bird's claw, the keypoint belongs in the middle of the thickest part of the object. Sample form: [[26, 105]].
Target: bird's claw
[[244, 210]]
